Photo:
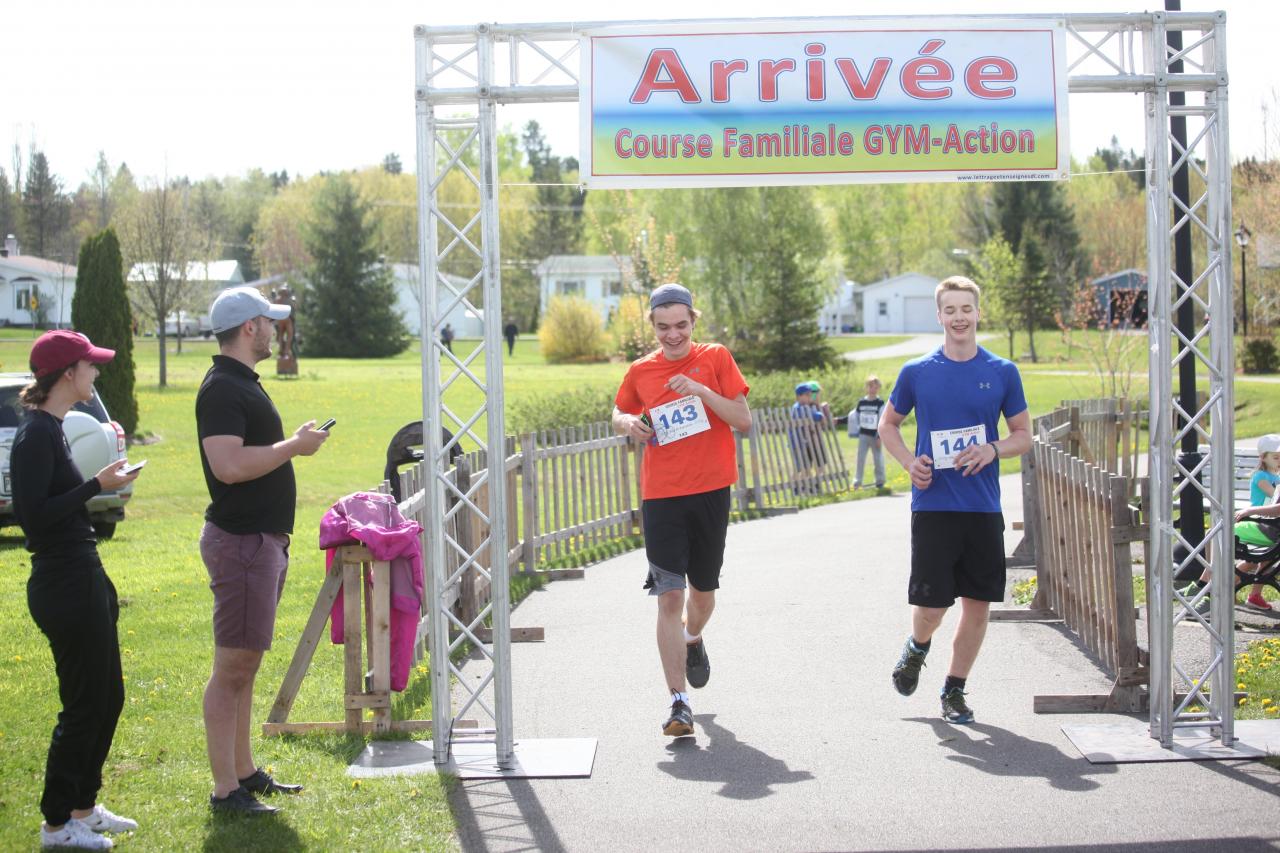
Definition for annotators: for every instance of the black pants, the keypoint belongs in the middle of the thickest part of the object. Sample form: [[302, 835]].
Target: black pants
[[74, 603]]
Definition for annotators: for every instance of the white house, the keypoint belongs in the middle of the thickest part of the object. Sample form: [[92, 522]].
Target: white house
[[596, 278], [900, 305], [214, 275], [465, 322], [842, 312], [52, 283]]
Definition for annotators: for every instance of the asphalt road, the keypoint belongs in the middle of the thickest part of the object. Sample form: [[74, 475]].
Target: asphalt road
[[802, 743]]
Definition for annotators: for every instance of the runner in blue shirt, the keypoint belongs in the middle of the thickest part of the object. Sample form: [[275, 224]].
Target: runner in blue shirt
[[958, 393]]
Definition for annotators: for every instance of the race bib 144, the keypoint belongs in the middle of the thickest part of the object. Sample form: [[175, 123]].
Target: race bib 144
[[948, 442]]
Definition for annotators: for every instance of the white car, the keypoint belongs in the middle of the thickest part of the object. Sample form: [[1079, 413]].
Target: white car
[[187, 325], [96, 441]]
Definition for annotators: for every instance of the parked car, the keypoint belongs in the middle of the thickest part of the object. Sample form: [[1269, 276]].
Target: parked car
[[96, 441], [187, 325]]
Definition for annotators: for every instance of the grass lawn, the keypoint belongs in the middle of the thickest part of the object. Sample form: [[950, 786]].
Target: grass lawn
[[157, 771], [854, 343]]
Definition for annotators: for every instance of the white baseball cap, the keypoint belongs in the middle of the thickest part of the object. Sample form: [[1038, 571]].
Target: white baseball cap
[[1269, 443], [237, 305]]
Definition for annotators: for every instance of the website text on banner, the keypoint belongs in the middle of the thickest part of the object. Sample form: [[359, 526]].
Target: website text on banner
[[820, 102]]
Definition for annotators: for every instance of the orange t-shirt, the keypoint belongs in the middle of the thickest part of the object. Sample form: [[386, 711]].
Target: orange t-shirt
[[702, 462]]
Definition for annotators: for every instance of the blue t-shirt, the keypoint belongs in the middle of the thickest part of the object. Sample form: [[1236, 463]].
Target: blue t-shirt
[[1257, 497], [954, 395]]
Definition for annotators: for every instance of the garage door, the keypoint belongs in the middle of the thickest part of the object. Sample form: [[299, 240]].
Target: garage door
[[921, 314]]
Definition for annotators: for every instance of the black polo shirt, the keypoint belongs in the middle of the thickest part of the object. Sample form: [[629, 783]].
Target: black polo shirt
[[231, 401]]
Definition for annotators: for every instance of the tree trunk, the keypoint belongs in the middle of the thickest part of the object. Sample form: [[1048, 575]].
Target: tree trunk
[[1012, 356], [1031, 341], [160, 337]]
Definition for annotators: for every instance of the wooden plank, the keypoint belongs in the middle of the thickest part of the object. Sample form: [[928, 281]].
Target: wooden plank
[[518, 635], [529, 501], [306, 649], [624, 488], [562, 574], [352, 669], [753, 442], [381, 643], [271, 729], [372, 699]]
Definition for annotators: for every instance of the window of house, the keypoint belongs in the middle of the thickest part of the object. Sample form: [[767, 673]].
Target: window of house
[[569, 288], [613, 287], [882, 308], [22, 298]]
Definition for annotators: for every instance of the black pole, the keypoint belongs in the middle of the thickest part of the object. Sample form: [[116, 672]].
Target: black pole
[[1244, 286], [1191, 506]]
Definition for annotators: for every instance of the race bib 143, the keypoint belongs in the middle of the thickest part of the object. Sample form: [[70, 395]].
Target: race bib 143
[[679, 419]]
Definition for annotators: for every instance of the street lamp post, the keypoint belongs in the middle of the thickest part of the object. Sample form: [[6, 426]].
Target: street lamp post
[[1242, 240]]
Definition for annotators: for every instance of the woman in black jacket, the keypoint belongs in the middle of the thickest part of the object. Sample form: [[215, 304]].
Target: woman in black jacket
[[69, 594]]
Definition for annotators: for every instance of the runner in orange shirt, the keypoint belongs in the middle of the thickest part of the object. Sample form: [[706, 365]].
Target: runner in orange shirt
[[682, 400]]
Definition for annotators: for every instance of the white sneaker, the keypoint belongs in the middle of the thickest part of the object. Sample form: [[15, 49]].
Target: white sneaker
[[74, 833], [103, 820]]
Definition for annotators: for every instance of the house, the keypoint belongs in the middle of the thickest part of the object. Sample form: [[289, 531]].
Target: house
[[903, 304], [206, 277], [842, 312], [596, 278], [466, 323], [22, 277], [1122, 298]]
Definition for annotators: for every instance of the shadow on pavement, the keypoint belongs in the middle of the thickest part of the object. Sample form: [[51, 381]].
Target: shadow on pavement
[[746, 772], [1002, 753], [1191, 845], [510, 812]]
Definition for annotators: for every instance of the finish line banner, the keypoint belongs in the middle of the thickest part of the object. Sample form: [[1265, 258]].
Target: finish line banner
[[823, 102]]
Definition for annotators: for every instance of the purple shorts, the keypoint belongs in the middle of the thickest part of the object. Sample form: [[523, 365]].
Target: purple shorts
[[246, 574]]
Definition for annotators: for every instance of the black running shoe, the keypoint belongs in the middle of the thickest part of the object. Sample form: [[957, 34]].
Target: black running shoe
[[697, 666], [954, 708], [906, 675], [681, 721]]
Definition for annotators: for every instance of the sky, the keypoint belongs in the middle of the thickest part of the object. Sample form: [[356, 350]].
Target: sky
[[199, 89]]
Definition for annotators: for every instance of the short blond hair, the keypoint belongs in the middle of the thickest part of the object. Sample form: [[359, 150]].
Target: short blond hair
[[957, 282], [873, 378]]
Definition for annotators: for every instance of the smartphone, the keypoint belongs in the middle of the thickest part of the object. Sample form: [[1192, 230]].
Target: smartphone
[[129, 469], [327, 425]]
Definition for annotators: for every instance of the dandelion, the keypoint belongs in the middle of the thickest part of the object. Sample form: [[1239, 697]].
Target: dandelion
[[129, 632], [422, 669], [1266, 702], [148, 719], [1244, 700], [1240, 686], [17, 658], [355, 783]]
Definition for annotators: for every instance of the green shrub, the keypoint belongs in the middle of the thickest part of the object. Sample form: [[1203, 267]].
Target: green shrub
[[100, 309], [630, 330], [842, 387], [572, 332], [1259, 355], [572, 408]]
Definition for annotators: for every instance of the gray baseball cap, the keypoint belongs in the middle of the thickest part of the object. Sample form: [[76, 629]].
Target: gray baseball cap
[[670, 294], [237, 305]]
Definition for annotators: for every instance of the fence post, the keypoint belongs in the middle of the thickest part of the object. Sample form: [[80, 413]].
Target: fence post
[[529, 499], [753, 441], [467, 583]]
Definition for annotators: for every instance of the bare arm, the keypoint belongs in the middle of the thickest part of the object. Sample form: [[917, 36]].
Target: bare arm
[[626, 424], [919, 468], [971, 460], [736, 413], [232, 462]]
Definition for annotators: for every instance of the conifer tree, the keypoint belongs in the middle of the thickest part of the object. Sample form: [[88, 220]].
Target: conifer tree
[[100, 309], [349, 305]]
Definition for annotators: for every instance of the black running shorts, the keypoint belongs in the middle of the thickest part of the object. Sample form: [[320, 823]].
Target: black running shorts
[[684, 538], [956, 555]]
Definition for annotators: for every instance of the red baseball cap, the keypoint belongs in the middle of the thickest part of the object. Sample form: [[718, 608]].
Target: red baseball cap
[[61, 348]]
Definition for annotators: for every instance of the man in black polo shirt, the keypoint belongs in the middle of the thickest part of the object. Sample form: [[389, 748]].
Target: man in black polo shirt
[[245, 541]]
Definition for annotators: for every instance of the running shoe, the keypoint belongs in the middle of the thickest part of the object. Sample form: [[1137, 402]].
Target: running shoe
[[697, 666], [680, 722], [1257, 602], [75, 834], [954, 709], [103, 819], [906, 675]]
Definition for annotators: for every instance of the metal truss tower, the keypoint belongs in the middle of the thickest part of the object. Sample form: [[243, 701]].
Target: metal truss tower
[[470, 70]]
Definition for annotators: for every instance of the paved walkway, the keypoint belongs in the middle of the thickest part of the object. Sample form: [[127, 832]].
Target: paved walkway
[[919, 345], [802, 743]]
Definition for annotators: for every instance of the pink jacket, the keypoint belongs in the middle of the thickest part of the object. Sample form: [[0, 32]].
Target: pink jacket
[[374, 520]]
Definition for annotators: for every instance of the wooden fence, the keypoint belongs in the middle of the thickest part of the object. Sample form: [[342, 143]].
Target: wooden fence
[[1080, 489], [1084, 572]]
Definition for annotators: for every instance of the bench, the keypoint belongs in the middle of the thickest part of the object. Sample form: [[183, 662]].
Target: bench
[[1246, 462]]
